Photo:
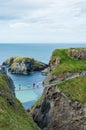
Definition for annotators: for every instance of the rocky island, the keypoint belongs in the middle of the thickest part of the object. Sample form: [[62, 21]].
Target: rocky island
[[63, 103], [23, 65]]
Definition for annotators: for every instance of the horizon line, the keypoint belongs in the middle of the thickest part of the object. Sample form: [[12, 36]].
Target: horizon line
[[43, 43]]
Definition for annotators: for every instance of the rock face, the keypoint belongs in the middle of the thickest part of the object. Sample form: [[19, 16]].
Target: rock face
[[79, 54], [57, 112], [11, 85], [3, 70], [55, 62], [74, 53], [24, 65]]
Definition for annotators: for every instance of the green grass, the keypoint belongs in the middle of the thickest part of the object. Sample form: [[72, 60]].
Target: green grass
[[18, 59], [75, 88], [12, 117], [67, 63], [21, 58]]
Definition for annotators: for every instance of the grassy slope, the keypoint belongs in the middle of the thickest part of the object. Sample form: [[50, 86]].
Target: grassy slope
[[18, 59], [21, 58], [67, 64], [12, 117], [75, 88]]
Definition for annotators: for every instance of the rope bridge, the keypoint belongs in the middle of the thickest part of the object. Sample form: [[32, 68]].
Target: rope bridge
[[34, 86], [41, 84]]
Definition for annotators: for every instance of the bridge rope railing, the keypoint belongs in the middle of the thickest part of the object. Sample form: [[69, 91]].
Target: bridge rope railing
[[41, 84], [34, 86]]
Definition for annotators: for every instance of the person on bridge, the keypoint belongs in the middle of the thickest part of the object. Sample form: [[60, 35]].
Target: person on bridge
[[33, 85], [19, 87]]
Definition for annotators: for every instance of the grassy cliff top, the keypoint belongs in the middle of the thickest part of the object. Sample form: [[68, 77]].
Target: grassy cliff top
[[75, 88], [20, 59], [67, 64], [12, 114]]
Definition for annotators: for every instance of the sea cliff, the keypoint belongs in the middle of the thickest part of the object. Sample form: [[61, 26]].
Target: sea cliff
[[63, 103], [12, 114]]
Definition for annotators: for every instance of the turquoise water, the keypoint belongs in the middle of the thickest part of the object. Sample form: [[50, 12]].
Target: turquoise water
[[41, 52], [29, 95]]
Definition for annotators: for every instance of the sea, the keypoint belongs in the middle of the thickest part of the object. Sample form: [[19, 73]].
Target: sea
[[40, 52]]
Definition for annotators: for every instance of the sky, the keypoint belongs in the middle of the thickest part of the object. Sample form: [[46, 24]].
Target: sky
[[42, 21]]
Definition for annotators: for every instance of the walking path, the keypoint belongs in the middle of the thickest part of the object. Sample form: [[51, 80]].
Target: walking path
[[37, 86], [65, 79]]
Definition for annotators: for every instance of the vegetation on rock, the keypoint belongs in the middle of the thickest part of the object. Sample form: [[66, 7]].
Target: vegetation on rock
[[63, 106], [78, 53], [12, 114], [23, 65], [66, 63]]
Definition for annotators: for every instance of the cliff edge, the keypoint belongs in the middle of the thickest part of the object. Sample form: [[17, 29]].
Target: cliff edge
[[12, 114], [63, 103]]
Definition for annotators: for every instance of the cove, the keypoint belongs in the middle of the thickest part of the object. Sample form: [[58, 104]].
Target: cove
[[29, 96]]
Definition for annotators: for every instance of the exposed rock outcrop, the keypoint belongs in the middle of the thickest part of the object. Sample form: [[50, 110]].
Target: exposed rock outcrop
[[68, 61], [58, 109], [55, 62], [3, 70], [45, 71], [10, 85], [79, 54], [57, 112], [24, 65]]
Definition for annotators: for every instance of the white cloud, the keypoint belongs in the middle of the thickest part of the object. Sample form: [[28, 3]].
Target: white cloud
[[19, 25], [41, 18]]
